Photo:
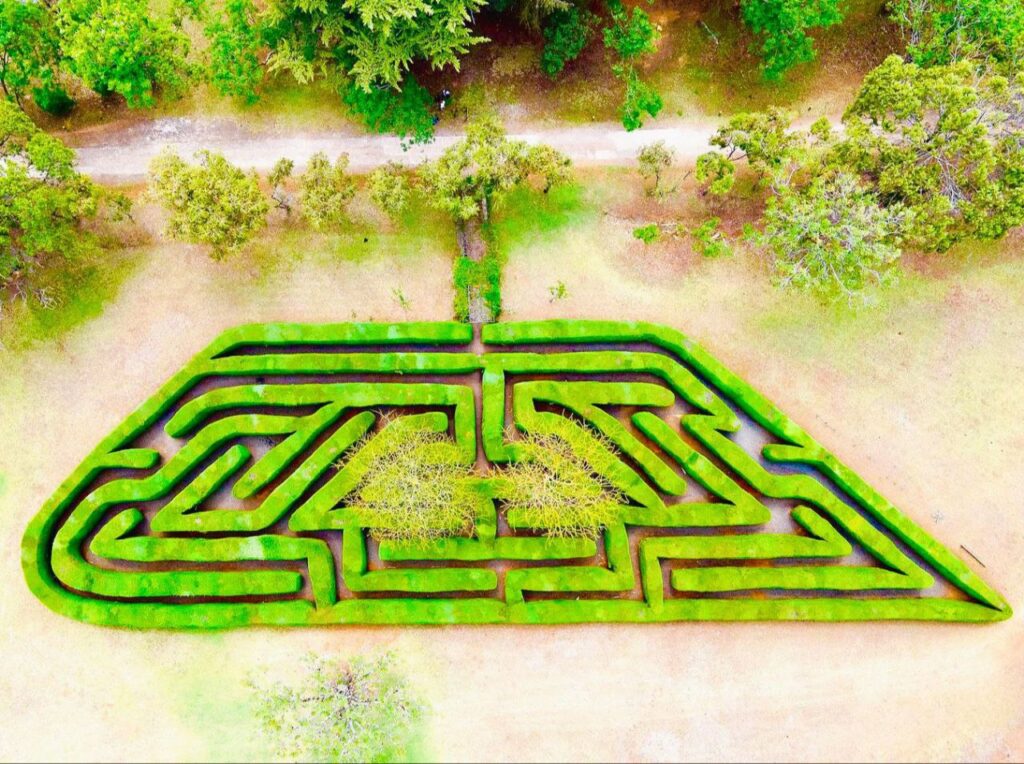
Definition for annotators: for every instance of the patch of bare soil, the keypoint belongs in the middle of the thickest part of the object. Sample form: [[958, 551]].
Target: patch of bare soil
[[919, 397]]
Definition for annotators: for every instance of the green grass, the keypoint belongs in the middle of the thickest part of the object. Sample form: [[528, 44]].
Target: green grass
[[81, 288], [361, 237], [525, 215]]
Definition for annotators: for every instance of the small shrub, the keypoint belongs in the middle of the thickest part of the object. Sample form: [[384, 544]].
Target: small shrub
[[709, 240], [360, 711], [648, 234], [558, 291], [403, 302], [654, 160], [212, 203]]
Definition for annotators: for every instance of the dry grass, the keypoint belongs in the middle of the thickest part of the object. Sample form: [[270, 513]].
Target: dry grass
[[556, 486], [416, 487]]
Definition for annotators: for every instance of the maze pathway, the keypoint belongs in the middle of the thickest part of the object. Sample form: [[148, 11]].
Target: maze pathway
[[222, 501]]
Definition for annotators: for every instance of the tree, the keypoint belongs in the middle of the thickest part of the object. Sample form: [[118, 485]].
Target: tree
[[631, 36], [235, 39], [833, 237], [464, 180], [373, 42], [121, 46], [939, 32], [42, 198], [548, 164], [566, 33], [29, 52], [356, 712], [640, 99], [406, 112], [783, 26], [942, 142], [212, 202], [763, 138], [709, 239], [654, 160], [389, 189], [715, 172], [326, 190]]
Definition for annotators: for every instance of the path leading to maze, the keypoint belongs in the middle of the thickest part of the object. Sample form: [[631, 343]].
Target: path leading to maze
[[122, 153]]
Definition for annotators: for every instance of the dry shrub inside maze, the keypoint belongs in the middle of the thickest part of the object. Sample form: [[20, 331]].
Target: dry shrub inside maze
[[225, 499]]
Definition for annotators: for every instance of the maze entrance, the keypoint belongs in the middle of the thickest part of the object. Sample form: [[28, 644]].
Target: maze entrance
[[225, 500]]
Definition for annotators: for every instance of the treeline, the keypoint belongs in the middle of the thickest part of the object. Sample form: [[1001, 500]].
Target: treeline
[[141, 50], [926, 157], [214, 204]]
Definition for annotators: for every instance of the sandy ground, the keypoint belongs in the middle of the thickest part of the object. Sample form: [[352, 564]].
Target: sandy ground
[[923, 399]]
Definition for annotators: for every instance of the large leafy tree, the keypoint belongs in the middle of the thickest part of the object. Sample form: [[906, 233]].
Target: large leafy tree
[[566, 33], [763, 138], [631, 36], [42, 198], [406, 112], [833, 236], [944, 143], [944, 31], [212, 202], [29, 51], [465, 180], [235, 40], [783, 25], [124, 47], [373, 41]]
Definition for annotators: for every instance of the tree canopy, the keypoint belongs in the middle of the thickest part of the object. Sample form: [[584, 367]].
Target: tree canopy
[[123, 47], [211, 202], [235, 41], [373, 41], [945, 31], [464, 180], [943, 142], [42, 198], [326, 190], [783, 25], [833, 237], [29, 50], [631, 35]]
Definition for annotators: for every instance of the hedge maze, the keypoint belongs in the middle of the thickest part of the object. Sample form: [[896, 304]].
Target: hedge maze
[[223, 500]]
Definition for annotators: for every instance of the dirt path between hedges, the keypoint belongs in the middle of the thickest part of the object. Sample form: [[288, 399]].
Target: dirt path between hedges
[[121, 152]]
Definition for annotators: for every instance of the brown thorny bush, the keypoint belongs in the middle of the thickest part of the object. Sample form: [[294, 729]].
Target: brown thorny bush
[[417, 488]]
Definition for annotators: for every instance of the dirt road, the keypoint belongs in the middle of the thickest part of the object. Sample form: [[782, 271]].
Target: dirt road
[[121, 153]]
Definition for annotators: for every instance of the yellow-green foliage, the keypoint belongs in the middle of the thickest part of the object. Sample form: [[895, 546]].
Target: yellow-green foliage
[[556, 487], [417, 488]]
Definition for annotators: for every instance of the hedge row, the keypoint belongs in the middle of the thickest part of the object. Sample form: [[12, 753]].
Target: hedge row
[[343, 414]]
